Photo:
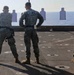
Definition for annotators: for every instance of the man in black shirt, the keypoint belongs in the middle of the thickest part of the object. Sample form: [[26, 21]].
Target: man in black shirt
[[30, 17]]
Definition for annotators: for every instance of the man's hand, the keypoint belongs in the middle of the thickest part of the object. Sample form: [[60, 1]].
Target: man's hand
[[35, 27]]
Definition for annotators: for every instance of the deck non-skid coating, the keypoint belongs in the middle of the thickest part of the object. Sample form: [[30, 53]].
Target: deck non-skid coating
[[56, 52]]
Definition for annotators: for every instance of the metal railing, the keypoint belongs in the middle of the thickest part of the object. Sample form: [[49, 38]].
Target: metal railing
[[47, 28]]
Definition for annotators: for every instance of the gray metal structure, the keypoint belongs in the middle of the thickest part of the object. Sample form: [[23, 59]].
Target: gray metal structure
[[14, 16], [62, 14], [43, 13]]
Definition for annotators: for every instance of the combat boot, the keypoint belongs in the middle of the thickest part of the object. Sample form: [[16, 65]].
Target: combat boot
[[17, 60], [37, 60], [0, 51], [27, 61]]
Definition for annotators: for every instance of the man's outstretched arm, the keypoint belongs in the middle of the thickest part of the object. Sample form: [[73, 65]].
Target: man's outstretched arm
[[21, 21]]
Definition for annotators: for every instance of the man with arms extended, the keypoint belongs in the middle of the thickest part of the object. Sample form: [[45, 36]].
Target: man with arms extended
[[6, 32], [30, 17]]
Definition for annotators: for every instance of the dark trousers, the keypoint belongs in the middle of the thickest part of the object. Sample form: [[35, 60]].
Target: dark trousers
[[31, 35], [11, 41]]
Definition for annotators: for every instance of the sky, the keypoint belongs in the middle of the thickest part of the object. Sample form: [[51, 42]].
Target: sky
[[49, 5]]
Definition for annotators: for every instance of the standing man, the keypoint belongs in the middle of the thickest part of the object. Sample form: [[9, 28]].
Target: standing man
[[6, 32], [30, 17]]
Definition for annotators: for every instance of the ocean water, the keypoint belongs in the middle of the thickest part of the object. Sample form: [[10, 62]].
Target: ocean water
[[52, 19]]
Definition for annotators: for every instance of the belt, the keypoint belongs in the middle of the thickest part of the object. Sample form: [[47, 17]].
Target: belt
[[2, 28], [29, 26]]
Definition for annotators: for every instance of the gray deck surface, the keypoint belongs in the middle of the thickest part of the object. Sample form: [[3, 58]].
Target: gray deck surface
[[56, 52]]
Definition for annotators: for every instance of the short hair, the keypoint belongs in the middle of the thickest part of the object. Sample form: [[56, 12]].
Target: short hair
[[6, 7], [28, 4]]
